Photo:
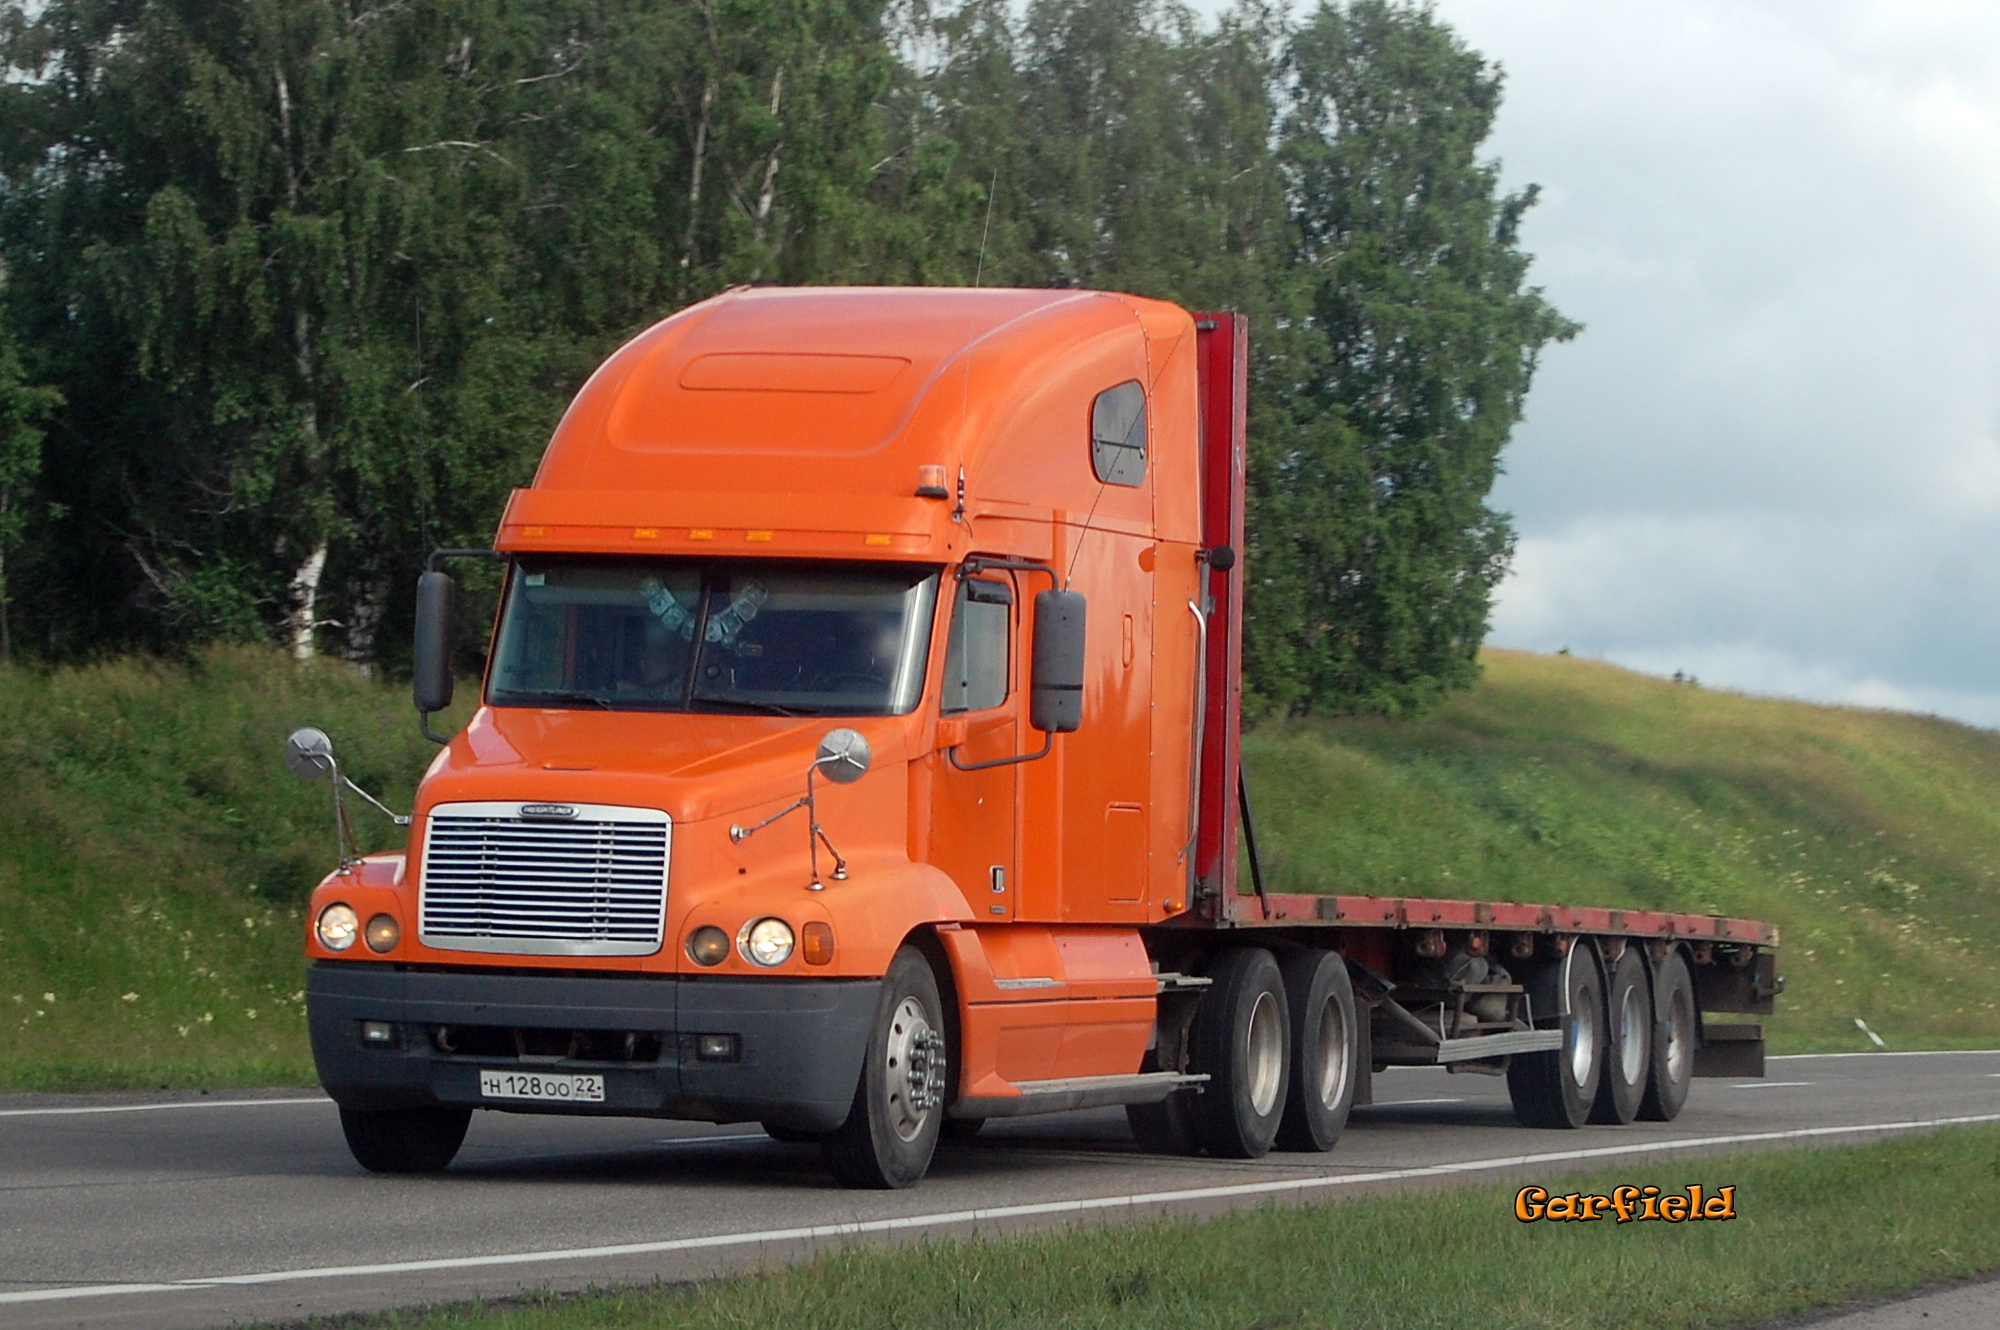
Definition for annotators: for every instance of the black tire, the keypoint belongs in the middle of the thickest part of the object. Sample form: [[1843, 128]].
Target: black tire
[[405, 1140], [1242, 1040], [1557, 1088], [1325, 1045], [892, 1130], [1674, 1035], [792, 1135], [1628, 1041]]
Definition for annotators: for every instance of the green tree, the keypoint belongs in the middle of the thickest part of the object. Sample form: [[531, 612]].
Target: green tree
[[22, 409], [1376, 436]]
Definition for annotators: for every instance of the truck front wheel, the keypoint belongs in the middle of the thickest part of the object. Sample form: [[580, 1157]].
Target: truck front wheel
[[1242, 1040], [405, 1140], [892, 1130]]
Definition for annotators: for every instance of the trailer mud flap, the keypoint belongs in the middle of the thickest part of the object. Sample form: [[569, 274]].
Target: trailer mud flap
[[1730, 1050]]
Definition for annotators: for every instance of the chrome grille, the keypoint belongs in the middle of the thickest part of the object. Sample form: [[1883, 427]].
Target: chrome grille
[[593, 884]]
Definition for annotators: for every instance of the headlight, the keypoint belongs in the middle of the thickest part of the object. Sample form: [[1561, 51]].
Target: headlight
[[765, 942], [337, 926], [708, 946], [383, 933]]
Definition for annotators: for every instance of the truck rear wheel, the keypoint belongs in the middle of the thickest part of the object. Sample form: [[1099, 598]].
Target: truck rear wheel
[[1672, 1063], [892, 1130], [405, 1140], [1557, 1088], [1242, 1040], [1321, 1001], [1628, 1011]]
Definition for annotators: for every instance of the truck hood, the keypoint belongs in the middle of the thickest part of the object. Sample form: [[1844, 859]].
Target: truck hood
[[693, 766]]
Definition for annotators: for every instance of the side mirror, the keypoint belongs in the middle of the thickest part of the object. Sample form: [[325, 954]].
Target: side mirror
[[844, 756], [309, 754], [1055, 687], [430, 666]]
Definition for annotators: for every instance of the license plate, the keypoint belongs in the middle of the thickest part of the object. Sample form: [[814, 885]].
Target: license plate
[[542, 1085]]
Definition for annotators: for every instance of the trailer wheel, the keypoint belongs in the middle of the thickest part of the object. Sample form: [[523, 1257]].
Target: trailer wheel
[[1557, 1088], [892, 1130], [405, 1140], [1242, 1040], [1628, 1031], [1673, 1041], [1324, 1047]]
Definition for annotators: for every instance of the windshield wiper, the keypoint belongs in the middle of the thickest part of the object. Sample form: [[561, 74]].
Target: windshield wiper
[[770, 708], [592, 698]]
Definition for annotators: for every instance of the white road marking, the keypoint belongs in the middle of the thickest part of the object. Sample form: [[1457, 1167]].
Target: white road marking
[[155, 1108], [1088, 1205], [1405, 1103], [1906, 1053], [1770, 1085]]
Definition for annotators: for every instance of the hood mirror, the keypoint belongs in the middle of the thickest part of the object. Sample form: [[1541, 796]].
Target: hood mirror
[[844, 756], [309, 754]]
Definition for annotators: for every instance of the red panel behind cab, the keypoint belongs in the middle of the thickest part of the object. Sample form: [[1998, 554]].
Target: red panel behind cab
[[1222, 354]]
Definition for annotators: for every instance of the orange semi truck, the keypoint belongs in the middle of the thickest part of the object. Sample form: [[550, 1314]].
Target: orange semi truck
[[858, 756]]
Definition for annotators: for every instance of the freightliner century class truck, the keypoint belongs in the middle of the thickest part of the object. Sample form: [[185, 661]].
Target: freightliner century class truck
[[858, 756]]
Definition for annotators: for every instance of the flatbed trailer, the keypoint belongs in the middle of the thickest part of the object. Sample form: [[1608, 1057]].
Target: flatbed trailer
[[859, 755]]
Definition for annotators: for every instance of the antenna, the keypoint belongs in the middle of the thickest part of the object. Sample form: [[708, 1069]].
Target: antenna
[[979, 270]]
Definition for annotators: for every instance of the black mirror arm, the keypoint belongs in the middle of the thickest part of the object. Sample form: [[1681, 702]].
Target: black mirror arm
[[424, 724], [1048, 745]]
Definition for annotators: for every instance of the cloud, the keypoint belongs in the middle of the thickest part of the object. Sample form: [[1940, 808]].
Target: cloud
[[1773, 457]]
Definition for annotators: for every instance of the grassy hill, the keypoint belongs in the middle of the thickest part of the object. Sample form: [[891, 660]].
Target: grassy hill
[[155, 856]]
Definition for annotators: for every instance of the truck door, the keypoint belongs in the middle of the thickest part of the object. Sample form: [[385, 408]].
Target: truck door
[[974, 813]]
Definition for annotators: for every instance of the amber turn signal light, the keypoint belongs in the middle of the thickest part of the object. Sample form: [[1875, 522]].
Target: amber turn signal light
[[816, 943], [708, 946], [383, 934]]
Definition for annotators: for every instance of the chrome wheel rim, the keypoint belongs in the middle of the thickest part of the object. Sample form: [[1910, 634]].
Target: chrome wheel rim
[[1583, 1041], [915, 1083], [1264, 1051], [1333, 1069], [1633, 1037], [1680, 1044]]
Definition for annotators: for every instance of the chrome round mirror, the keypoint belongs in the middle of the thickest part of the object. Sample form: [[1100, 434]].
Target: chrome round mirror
[[843, 756], [309, 754]]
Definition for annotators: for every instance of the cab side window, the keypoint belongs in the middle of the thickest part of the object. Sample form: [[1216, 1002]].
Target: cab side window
[[1118, 434], [975, 662]]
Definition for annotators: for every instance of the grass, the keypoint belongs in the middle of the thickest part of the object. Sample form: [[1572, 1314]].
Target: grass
[[1815, 1228], [1872, 838], [155, 856]]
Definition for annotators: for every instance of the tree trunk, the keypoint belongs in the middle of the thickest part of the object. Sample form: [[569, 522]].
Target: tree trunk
[[305, 602]]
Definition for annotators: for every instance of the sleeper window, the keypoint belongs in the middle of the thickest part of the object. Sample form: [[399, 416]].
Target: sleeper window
[[975, 662], [1118, 435]]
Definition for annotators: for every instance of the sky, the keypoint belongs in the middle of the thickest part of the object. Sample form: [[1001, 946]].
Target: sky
[[1772, 459]]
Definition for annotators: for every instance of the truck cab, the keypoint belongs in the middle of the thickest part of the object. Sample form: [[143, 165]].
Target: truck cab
[[779, 515]]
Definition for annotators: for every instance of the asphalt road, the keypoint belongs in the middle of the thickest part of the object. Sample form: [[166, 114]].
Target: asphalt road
[[156, 1211]]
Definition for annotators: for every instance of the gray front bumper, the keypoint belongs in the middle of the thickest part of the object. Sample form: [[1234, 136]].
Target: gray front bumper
[[801, 1040]]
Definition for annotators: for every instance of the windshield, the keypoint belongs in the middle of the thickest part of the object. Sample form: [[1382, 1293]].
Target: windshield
[[705, 635]]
